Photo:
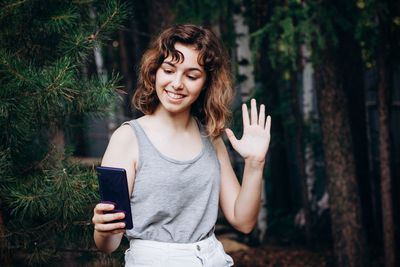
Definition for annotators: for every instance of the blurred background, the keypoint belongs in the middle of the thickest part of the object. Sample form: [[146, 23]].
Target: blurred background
[[328, 72]]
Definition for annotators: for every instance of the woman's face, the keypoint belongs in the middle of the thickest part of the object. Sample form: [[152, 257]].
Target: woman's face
[[179, 84]]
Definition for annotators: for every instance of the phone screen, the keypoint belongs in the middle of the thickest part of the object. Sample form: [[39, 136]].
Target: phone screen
[[114, 188]]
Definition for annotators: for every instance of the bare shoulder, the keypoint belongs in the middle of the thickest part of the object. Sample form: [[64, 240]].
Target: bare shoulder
[[122, 152], [124, 133], [122, 145]]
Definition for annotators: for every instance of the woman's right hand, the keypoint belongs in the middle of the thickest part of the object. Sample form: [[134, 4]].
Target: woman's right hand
[[102, 221]]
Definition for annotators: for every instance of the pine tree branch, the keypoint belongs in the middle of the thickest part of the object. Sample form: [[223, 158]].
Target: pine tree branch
[[4, 11], [56, 79], [48, 89], [59, 17], [14, 71], [69, 97], [36, 164], [82, 2], [94, 36], [85, 223], [53, 206], [33, 229], [17, 52], [24, 28], [31, 197], [14, 4]]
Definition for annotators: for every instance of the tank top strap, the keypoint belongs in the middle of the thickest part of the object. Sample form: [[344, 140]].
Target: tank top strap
[[201, 128], [207, 143], [145, 147]]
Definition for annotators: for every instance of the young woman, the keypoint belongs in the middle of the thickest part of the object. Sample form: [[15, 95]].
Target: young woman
[[177, 165]]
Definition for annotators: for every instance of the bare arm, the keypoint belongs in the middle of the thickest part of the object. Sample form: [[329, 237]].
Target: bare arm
[[241, 204], [121, 152]]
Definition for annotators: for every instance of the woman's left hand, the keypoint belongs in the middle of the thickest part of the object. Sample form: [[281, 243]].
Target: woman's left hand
[[253, 146]]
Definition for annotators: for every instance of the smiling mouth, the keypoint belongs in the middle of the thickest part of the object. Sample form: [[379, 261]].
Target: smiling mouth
[[174, 96]]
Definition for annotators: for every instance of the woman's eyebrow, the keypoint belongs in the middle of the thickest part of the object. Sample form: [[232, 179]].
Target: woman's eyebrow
[[189, 69], [169, 63]]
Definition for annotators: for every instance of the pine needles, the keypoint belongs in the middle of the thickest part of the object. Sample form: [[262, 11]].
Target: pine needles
[[45, 199]]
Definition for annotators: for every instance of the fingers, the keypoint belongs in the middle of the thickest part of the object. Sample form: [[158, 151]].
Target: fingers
[[231, 137], [109, 233], [109, 217], [108, 227], [261, 119], [101, 207], [268, 125], [104, 222], [254, 118], [245, 115], [258, 119], [101, 215], [253, 106]]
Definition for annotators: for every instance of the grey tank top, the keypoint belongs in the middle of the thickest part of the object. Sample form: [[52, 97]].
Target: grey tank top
[[174, 201]]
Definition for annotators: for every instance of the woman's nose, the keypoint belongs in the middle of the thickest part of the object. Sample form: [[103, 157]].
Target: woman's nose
[[177, 82]]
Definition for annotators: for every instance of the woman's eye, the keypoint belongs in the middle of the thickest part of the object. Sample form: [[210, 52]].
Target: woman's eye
[[192, 77], [168, 71]]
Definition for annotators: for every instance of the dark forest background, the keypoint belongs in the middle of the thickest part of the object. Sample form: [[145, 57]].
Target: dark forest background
[[328, 72]]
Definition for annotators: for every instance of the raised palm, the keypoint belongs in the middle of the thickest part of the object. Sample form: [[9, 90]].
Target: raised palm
[[256, 134]]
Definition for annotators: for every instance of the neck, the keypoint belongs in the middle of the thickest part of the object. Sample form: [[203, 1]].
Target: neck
[[177, 121]]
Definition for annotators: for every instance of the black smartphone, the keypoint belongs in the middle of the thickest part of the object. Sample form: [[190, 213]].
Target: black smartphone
[[114, 189]]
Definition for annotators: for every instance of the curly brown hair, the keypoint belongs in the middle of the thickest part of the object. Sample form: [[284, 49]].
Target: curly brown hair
[[212, 106]]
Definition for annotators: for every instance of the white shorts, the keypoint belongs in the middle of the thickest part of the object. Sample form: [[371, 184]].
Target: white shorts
[[208, 252]]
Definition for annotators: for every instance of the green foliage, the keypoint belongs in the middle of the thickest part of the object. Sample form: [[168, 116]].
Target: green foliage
[[287, 26], [294, 23], [199, 12], [45, 198], [378, 24], [208, 13]]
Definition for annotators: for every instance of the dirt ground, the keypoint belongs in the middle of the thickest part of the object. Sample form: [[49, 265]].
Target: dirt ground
[[274, 255]]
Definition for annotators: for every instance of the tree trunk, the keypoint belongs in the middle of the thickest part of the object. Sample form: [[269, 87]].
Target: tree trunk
[[307, 98], [245, 69], [345, 208], [57, 140], [300, 154], [384, 158], [247, 87], [352, 69]]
